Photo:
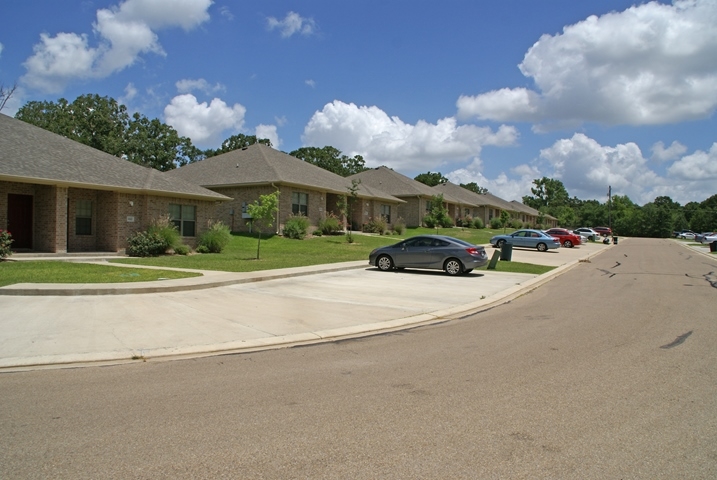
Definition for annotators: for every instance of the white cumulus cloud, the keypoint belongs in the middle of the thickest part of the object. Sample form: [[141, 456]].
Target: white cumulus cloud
[[188, 85], [650, 64], [503, 186], [126, 31], [384, 140], [673, 152], [270, 132], [203, 123], [292, 24]]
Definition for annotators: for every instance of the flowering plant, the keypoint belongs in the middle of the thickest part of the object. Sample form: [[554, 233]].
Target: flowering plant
[[5, 241]]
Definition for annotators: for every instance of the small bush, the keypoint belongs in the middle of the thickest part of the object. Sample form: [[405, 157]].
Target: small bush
[[478, 223], [216, 237], [203, 249], [399, 226], [296, 227], [496, 223], [515, 223], [167, 230], [330, 225], [375, 225], [145, 244], [182, 250], [5, 241]]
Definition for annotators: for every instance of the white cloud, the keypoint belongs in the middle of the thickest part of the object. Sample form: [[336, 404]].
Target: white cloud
[[292, 24], [700, 167], [384, 140], [126, 31], [673, 152], [202, 122], [130, 92], [502, 186], [226, 13], [310, 83], [188, 85], [268, 131], [650, 64]]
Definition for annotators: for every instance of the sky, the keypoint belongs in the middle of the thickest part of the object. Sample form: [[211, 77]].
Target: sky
[[596, 94]]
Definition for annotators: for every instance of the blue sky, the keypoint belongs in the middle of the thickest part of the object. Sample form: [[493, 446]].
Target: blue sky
[[594, 94]]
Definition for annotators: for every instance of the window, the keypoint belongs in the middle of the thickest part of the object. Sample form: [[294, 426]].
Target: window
[[83, 217], [300, 203], [386, 212], [184, 217], [429, 205]]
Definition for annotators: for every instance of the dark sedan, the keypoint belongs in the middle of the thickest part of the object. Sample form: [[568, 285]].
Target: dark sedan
[[438, 252]]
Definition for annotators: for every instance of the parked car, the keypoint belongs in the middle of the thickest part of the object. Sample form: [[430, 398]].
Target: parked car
[[604, 231], [527, 239], [566, 238], [707, 237], [440, 252], [677, 234], [587, 232], [687, 235]]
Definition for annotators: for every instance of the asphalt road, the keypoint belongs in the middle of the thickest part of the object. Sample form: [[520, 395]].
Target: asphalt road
[[607, 371]]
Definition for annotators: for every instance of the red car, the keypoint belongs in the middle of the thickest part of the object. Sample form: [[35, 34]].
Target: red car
[[566, 238], [604, 231]]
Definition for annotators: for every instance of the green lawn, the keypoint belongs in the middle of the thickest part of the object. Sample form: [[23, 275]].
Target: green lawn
[[238, 256], [53, 271]]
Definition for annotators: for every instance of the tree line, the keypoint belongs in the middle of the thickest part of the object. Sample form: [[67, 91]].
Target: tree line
[[105, 124]]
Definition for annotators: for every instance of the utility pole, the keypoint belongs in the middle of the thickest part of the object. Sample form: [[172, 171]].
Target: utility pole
[[609, 202]]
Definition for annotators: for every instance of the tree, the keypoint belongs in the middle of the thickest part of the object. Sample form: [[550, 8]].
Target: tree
[[548, 193], [345, 206], [431, 179], [331, 159], [5, 94], [473, 187], [235, 142], [104, 124], [504, 219], [438, 214], [262, 212]]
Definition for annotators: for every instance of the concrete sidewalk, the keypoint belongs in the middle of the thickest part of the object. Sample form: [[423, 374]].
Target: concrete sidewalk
[[61, 325]]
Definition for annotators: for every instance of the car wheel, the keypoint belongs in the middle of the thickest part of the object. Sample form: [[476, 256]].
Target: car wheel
[[542, 247], [384, 263], [568, 244], [500, 243], [453, 267]]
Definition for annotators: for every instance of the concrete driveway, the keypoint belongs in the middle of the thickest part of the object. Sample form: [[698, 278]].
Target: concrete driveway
[[247, 312]]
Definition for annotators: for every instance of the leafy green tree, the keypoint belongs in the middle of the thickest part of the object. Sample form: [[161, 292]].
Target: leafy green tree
[[346, 206], [262, 212], [438, 214], [548, 193], [474, 187], [104, 124], [331, 159], [504, 219], [431, 178], [235, 142]]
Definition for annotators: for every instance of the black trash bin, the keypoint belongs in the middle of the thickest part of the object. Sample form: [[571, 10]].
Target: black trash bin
[[614, 240], [713, 247], [506, 251]]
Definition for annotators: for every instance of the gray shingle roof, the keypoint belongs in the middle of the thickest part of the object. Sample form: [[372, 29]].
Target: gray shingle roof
[[29, 154], [521, 207], [260, 164], [398, 184]]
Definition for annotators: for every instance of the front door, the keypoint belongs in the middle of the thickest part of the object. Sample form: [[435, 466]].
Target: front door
[[19, 220]]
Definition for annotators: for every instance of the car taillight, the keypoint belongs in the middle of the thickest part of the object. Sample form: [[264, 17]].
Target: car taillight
[[473, 251]]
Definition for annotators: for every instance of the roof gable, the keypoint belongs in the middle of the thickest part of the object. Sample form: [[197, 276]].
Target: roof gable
[[29, 154], [398, 184]]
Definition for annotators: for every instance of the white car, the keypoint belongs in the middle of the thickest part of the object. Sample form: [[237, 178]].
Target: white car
[[708, 238], [588, 233], [686, 236]]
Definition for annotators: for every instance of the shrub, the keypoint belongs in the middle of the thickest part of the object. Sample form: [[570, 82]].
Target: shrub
[[515, 223], [145, 244], [375, 225], [5, 241], [496, 223], [330, 225], [433, 221], [478, 223], [182, 250], [168, 231], [296, 227], [215, 238], [399, 226]]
